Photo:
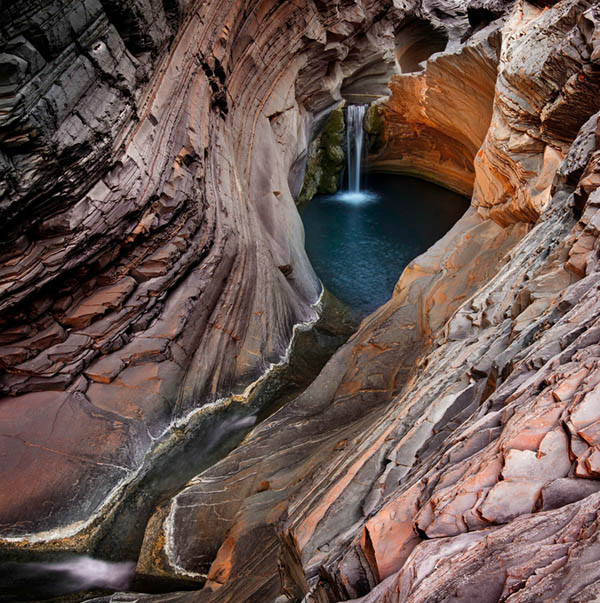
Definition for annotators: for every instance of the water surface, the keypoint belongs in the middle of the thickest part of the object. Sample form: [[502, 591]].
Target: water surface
[[359, 243]]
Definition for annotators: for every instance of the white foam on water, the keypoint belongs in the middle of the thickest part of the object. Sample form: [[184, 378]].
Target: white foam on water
[[86, 572], [356, 197]]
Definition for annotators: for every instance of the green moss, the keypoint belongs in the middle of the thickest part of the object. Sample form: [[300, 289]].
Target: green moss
[[328, 183], [334, 154], [332, 151], [312, 175], [325, 159], [335, 127]]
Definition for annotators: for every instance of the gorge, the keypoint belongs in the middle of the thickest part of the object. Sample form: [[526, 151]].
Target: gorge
[[179, 391]]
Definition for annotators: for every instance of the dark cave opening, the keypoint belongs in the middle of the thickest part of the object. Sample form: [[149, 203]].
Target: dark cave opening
[[481, 17]]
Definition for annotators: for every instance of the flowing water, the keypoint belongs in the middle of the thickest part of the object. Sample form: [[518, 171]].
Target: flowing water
[[35, 581], [359, 243], [202, 442], [354, 145]]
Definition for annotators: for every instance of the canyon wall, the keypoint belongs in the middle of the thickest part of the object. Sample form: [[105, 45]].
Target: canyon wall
[[152, 259], [153, 265], [438, 113], [542, 100], [448, 451]]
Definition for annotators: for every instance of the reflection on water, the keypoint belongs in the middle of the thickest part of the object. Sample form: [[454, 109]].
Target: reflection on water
[[33, 581], [359, 242]]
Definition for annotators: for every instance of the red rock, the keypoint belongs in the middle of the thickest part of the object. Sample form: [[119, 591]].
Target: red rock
[[99, 303], [148, 208]]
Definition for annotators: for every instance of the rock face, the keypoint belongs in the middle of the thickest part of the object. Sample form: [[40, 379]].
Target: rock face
[[152, 257], [450, 450], [439, 111], [540, 105], [325, 158]]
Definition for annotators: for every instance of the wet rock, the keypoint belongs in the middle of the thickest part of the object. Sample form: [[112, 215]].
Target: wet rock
[[461, 422], [326, 156], [145, 213]]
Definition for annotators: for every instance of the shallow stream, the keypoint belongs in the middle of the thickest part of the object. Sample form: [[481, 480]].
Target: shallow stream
[[359, 243]]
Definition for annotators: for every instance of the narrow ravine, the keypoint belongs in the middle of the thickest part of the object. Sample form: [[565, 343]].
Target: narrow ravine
[[247, 354], [197, 444], [359, 240]]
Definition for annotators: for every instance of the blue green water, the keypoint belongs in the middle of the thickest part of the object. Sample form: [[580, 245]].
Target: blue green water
[[359, 243]]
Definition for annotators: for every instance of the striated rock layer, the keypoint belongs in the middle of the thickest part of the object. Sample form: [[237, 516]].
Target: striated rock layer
[[448, 451], [542, 99], [438, 114], [152, 257]]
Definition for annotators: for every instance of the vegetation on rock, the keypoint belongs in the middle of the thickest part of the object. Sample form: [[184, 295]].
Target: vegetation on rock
[[374, 127], [325, 159]]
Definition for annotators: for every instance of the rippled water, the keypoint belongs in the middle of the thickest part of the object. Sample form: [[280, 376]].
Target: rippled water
[[359, 242]]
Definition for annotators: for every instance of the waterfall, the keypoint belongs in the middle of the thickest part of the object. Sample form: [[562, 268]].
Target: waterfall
[[354, 144]]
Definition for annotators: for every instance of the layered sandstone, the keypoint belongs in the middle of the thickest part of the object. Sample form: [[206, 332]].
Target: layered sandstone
[[455, 429], [438, 113], [542, 99], [449, 450], [152, 258]]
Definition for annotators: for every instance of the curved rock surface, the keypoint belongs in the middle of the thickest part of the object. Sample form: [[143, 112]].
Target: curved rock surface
[[457, 427], [450, 450], [438, 114], [542, 99], [152, 260]]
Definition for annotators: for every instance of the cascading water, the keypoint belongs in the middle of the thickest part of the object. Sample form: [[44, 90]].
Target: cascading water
[[360, 239], [354, 144]]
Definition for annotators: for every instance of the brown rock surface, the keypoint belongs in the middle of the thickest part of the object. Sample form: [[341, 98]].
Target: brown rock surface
[[438, 114], [456, 428], [450, 450], [542, 99], [548, 556], [145, 213]]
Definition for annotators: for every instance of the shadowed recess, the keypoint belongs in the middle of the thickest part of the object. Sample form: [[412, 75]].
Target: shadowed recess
[[416, 42]]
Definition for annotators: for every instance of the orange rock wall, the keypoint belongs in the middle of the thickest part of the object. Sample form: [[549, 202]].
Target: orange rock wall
[[541, 102], [455, 434], [435, 121]]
